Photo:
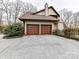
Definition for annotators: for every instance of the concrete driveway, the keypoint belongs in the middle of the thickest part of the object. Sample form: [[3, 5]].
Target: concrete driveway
[[39, 47]]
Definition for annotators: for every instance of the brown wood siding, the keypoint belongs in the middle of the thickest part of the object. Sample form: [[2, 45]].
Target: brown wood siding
[[46, 29], [32, 29]]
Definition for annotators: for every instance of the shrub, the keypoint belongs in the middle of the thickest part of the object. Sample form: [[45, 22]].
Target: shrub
[[71, 31], [1, 28], [14, 30], [58, 32]]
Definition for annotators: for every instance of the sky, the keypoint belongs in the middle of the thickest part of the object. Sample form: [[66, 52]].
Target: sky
[[71, 5]]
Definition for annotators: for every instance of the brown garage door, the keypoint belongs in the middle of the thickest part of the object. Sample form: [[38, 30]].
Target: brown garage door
[[32, 29], [46, 29]]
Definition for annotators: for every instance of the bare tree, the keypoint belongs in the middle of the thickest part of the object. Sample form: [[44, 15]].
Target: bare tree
[[76, 19], [7, 9], [14, 9], [28, 7], [21, 8], [66, 16], [0, 16]]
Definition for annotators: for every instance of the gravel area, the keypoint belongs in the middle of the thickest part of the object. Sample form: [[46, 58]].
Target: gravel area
[[39, 47]]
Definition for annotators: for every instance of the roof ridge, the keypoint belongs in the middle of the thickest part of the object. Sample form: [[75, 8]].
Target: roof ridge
[[48, 8]]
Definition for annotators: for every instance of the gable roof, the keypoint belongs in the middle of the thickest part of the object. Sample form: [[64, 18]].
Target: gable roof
[[32, 16], [27, 17], [48, 8]]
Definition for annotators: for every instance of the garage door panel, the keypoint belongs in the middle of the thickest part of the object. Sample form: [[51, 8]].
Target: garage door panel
[[32, 29], [46, 29]]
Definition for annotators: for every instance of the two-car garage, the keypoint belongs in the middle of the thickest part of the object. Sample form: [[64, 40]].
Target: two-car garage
[[36, 29], [41, 22]]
